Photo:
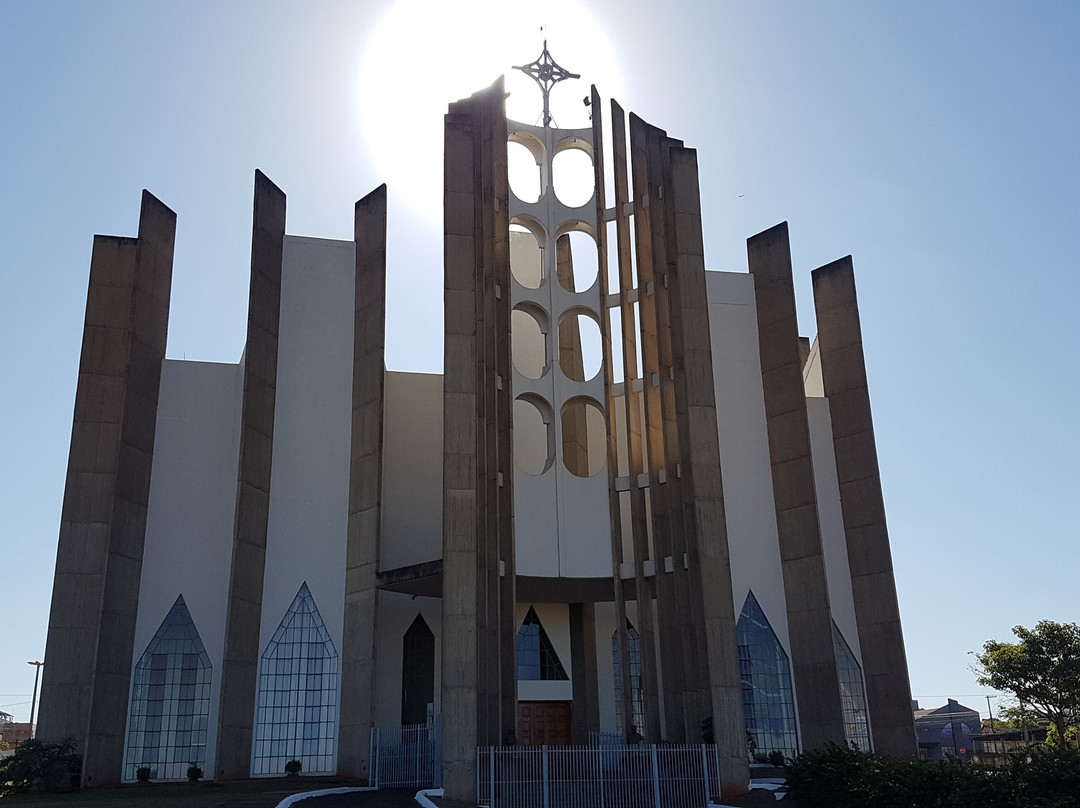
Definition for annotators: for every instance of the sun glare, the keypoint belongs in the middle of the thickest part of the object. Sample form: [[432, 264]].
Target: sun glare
[[424, 54]]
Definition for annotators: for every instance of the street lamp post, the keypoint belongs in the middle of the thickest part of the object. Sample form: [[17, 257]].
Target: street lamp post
[[33, 700]]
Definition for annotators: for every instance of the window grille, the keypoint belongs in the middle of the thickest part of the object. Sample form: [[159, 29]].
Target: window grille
[[637, 692], [296, 712], [170, 701], [768, 700], [852, 693], [536, 656]]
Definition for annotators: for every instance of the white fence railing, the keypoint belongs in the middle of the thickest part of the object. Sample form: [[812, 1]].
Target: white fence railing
[[597, 738], [597, 777], [407, 757]]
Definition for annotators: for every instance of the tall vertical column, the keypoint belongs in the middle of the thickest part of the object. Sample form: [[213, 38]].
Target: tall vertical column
[[365, 485], [614, 438], [479, 683], [702, 485], [240, 662], [636, 439], [585, 710], [801, 556], [661, 431], [89, 650], [877, 612], [459, 601]]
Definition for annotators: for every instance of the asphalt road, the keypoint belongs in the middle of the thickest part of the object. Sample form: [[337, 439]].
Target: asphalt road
[[383, 798]]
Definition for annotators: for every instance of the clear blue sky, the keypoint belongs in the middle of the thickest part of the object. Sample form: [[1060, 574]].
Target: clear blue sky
[[936, 142]]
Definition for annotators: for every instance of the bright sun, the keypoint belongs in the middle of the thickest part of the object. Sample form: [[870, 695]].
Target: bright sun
[[423, 54]]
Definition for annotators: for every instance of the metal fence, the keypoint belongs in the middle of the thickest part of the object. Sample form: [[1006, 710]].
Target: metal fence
[[407, 757], [597, 738], [597, 777]]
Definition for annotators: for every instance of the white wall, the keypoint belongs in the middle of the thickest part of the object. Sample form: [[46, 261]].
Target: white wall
[[189, 525], [396, 613], [744, 449], [831, 519], [812, 380], [412, 470], [309, 488]]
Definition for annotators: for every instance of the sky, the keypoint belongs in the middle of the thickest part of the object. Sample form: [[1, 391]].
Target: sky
[[934, 142]]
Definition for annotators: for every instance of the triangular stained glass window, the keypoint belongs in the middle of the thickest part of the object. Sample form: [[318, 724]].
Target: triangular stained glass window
[[536, 656], [637, 693], [170, 701], [296, 712], [852, 693], [767, 695]]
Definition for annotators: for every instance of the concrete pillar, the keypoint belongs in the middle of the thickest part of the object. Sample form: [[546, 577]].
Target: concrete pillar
[[459, 602], [90, 646], [877, 613], [702, 485], [636, 440], [625, 336], [585, 710], [805, 586], [661, 431], [365, 486], [479, 682], [240, 663]]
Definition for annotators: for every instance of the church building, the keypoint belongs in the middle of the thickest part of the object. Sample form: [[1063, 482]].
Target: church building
[[636, 502]]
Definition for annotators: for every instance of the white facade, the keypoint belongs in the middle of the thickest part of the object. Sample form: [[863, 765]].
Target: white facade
[[193, 490]]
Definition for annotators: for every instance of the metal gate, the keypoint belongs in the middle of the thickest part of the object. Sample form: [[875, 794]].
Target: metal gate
[[407, 757], [597, 777]]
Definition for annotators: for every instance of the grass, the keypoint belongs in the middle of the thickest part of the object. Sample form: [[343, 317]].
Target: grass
[[240, 794]]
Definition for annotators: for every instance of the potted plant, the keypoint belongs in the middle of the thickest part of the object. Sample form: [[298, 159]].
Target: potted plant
[[292, 768], [194, 772], [142, 774]]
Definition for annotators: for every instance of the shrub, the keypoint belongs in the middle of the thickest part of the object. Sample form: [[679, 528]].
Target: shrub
[[37, 766], [846, 778], [292, 768], [776, 758], [1045, 778]]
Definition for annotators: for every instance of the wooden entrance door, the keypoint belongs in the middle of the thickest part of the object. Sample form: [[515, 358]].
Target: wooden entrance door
[[543, 723]]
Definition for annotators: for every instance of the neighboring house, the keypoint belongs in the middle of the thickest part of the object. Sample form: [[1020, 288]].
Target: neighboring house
[[947, 731], [625, 507], [14, 732]]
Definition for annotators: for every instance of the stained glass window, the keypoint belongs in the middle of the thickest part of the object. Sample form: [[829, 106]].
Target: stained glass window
[[768, 700], [852, 693], [417, 672], [536, 656], [637, 693], [296, 712], [170, 701]]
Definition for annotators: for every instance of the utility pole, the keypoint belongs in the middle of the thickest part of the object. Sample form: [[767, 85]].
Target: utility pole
[[33, 700], [990, 712]]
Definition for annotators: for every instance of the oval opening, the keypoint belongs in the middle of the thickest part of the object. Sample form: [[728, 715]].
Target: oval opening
[[576, 260], [531, 437], [524, 171], [584, 437], [580, 346], [528, 344], [526, 257], [572, 177]]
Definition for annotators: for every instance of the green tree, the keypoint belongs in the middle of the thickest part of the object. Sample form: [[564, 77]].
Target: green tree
[[1011, 718], [1042, 670]]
